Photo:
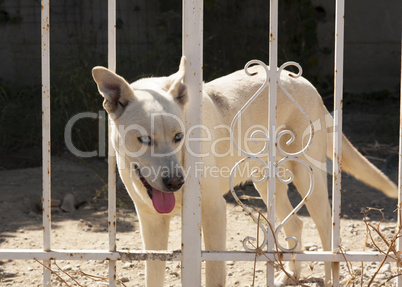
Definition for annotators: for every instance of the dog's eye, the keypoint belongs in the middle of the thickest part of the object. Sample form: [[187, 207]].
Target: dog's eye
[[145, 140], [178, 137]]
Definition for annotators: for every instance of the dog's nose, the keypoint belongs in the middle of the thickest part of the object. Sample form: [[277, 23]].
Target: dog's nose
[[173, 183]]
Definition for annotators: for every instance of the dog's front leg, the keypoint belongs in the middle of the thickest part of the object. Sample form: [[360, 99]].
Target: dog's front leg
[[214, 227], [155, 234]]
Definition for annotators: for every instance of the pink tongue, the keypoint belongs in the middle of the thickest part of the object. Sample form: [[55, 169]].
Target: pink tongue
[[163, 201]]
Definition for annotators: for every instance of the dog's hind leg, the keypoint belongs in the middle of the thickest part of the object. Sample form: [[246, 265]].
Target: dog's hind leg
[[214, 227], [293, 227], [155, 234], [318, 206]]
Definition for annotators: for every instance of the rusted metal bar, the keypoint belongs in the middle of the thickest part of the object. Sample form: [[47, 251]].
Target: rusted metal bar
[[111, 152], [46, 144], [140, 255], [191, 210], [175, 255], [337, 140], [326, 256], [273, 74]]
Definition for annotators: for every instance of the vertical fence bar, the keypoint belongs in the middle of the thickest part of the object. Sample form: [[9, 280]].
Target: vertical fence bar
[[46, 156], [191, 211], [337, 141], [400, 174], [111, 152], [273, 63]]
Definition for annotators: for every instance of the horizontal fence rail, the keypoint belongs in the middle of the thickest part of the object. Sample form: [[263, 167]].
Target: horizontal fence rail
[[191, 255], [141, 255]]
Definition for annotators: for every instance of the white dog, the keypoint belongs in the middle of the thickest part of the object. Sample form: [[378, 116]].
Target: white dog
[[148, 136]]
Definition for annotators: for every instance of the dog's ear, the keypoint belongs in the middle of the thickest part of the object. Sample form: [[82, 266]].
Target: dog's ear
[[177, 89], [115, 90]]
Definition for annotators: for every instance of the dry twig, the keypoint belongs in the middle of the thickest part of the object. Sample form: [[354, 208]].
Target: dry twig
[[93, 277], [53, 272], [54, 262], [391, 246], [279, 262]]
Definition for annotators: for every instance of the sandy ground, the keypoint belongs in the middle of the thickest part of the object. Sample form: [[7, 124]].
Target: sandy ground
[[86, 228]]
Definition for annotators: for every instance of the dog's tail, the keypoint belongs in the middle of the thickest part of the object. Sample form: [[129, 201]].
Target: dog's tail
[[357, 165]]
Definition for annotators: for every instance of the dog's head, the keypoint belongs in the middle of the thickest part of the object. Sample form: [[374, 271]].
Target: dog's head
[[148, 131]]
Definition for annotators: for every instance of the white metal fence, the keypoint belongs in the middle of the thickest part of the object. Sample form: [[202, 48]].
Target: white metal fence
[[191, 254]]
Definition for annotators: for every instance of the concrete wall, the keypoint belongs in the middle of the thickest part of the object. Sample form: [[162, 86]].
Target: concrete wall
[[20, 41], [372, 43], [78, 35]]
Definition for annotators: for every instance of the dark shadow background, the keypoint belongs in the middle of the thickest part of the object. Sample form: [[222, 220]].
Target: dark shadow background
[[149, 44]]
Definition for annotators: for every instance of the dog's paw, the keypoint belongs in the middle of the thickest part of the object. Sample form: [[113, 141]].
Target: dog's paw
[[282, 279]]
